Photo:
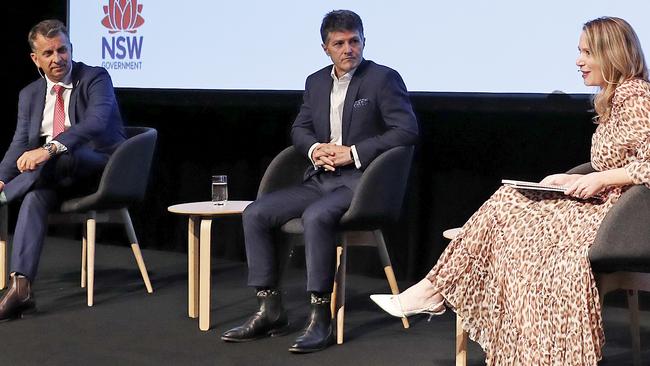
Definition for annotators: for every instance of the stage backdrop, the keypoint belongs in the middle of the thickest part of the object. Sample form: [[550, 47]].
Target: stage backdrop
[[500, 46]]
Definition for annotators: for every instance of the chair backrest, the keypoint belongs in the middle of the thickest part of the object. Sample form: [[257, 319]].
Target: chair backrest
[[584, 168], [622, 241], [286, 169], [380, 194], [125, 177]]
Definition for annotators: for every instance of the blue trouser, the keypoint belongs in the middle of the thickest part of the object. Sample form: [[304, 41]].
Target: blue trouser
[[320, 202], [41, 191]]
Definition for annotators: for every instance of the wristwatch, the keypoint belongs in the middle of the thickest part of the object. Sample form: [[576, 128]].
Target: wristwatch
[[50, 148]]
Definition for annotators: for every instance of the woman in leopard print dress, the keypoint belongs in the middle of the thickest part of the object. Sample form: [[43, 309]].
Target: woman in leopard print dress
[[518, 272]]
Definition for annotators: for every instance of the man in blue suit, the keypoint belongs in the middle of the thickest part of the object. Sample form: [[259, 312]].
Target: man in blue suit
[[352, 111], [68, 125]]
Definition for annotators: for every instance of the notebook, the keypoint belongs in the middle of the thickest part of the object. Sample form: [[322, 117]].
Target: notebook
[[518, 184]]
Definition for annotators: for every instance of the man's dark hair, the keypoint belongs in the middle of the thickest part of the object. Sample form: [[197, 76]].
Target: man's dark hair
[[47, 28], [340, 20]]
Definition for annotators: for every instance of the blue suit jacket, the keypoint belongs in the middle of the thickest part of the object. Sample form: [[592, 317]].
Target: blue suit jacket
[[94, 115], [377, 113]]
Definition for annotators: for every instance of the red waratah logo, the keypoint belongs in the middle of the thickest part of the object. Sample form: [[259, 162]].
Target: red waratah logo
[[122, 16]]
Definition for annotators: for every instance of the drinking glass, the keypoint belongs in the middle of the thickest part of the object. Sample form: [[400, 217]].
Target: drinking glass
[[219, 189]]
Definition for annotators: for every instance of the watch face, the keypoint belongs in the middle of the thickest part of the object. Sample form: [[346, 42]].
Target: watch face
[[49, 147]]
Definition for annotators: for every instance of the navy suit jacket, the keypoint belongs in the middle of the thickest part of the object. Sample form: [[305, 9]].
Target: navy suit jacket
[[377, 113], [94, 116]]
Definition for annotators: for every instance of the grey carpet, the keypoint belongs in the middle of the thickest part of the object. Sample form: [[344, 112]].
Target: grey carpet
[[127, 326]]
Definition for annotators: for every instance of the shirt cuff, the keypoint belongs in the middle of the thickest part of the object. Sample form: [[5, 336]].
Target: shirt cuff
[[355, 155], [311, 150], [60, 148]]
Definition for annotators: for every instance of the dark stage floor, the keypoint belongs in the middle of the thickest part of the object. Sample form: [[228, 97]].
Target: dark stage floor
[[127, 326]]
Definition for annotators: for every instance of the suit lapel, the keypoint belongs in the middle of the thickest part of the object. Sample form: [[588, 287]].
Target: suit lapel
[[324, 93], [350, 97], [37, 112], [73, 95]]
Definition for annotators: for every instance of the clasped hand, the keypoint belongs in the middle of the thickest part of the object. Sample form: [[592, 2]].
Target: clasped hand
[[30, 160], [330, 156], [578, 185]]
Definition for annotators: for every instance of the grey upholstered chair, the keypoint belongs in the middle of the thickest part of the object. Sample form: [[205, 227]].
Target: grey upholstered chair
[[376, 203], [620, 257], [123, 183]]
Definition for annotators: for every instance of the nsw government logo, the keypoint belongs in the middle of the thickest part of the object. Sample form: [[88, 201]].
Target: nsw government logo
[[122, 49]]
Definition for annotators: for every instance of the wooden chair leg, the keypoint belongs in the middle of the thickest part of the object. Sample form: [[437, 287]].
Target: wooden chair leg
[[4, 235], [143, 269], [84, 257], [633, 306], [130, 232], [632, 282], [388, 268], [90, 231], [335, 288], [461, 335], [340, 293], [461, 343]]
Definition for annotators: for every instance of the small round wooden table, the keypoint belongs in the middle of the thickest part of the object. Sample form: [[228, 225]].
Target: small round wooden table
[[201, 215]]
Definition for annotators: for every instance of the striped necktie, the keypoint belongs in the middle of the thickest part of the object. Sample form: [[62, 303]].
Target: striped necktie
[[59, 112]]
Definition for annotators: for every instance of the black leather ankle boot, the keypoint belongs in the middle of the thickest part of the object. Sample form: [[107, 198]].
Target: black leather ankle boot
[[269, 321], [318, 333], [17, 300]]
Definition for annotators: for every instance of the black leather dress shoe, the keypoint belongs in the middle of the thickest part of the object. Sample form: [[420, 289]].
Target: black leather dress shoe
[[17, 300], [318, 333], [269, 321]]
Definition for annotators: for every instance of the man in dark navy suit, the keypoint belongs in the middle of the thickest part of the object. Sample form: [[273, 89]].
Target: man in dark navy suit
[[352, 111], [68, 125]]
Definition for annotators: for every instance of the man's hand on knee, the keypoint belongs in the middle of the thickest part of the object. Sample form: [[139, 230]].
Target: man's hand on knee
[[30, 160]]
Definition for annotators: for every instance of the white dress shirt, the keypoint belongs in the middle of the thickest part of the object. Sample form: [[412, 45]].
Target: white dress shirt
[[337, 100], [47, 125]]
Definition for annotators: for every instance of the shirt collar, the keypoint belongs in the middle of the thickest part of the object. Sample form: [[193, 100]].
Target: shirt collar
[[345, 77], [66, 82]]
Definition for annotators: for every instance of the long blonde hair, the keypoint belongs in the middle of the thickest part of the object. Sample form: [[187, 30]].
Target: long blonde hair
[[617, 49]]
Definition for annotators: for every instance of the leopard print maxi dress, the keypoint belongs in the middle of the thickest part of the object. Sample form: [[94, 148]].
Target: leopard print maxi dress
[[518, 272]]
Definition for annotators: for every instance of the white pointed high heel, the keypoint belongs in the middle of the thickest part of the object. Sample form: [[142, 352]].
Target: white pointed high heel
[[388, 305]]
